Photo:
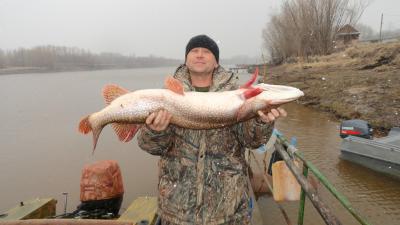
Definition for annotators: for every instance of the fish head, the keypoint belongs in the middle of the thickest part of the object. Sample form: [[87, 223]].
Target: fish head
[[277, 94]]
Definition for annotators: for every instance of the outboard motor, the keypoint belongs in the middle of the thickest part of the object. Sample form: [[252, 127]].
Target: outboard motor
[[359, 128], [102, 191]]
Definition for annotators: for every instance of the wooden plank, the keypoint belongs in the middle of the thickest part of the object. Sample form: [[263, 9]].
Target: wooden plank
[[256, 217], [143, 208], [286, 187], [32, 209], [320, 206]]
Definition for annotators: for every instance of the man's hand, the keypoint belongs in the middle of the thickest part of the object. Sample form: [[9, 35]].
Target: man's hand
[[159, 121], [273, 114]]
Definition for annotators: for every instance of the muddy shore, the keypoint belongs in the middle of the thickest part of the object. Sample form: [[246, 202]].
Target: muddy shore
[[361, 82]]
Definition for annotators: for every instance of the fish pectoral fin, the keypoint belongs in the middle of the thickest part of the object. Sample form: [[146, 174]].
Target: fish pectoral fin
[[113, 91], [252, 92], [174, 85], [243, 111], [125, 132], [252, 79]]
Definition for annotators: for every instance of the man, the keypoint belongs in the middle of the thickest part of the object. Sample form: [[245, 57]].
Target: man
[[203, 173]]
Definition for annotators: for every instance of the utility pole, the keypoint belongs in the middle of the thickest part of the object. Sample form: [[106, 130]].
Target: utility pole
[[380, 29]]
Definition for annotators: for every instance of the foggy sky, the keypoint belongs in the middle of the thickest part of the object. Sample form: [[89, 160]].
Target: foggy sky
[[157, 27]]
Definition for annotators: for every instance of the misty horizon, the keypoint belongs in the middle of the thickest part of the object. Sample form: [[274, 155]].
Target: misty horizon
[[152, 28]]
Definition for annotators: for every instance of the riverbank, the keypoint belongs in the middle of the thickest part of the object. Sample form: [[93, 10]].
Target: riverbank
[[19, 70], [361, 82], [24, 70]]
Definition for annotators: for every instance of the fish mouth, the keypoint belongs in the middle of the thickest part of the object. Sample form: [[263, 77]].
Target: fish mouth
[[279, 94], [281, 101]]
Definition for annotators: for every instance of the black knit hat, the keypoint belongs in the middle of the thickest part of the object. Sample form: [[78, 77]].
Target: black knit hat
[[203, 41]]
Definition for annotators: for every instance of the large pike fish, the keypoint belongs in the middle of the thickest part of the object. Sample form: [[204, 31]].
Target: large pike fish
[[127, 111]]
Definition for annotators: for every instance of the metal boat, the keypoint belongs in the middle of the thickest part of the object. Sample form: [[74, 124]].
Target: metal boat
[[380, 154]]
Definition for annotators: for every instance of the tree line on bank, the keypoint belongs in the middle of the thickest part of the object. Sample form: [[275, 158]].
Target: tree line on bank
[[64, 58], [308, 27]]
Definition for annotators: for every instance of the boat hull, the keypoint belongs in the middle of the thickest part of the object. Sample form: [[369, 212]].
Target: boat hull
[[382, 155]]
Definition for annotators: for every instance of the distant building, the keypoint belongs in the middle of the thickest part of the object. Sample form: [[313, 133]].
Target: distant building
[[345, 36]]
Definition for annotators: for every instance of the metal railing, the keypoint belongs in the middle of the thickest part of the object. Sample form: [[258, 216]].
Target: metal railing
[[288, 152]]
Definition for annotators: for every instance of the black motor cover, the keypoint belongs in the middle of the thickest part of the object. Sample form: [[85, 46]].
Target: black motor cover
[[96, 209], [359, 128]]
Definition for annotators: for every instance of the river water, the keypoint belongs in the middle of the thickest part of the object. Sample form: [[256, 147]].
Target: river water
[[42, 154]]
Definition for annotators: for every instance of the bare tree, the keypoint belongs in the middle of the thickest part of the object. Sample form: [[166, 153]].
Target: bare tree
[[308, 27], [65, 58]]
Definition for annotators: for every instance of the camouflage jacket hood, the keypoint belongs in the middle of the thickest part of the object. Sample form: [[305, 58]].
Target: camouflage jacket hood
[[203, 173]]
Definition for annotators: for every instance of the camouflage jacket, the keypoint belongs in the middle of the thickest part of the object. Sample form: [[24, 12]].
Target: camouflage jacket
[[203, 173]]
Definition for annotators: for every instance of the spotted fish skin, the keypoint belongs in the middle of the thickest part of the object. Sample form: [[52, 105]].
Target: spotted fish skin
[[126, 111]]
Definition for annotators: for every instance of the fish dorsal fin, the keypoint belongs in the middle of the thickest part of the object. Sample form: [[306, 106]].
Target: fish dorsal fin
[[252, 80], [174, 85], [113, 91], [125, 132]]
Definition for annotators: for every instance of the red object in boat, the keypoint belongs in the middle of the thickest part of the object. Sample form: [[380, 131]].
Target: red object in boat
[[101, 180]]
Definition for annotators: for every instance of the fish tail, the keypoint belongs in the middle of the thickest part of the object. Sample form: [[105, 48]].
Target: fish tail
[[96, 134], [85, 126]]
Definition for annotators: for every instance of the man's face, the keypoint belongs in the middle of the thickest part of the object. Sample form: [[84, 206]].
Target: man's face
[[201, 60]]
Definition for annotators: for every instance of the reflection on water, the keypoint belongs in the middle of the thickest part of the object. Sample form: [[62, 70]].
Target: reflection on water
[[42, 153], [375, 195]]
